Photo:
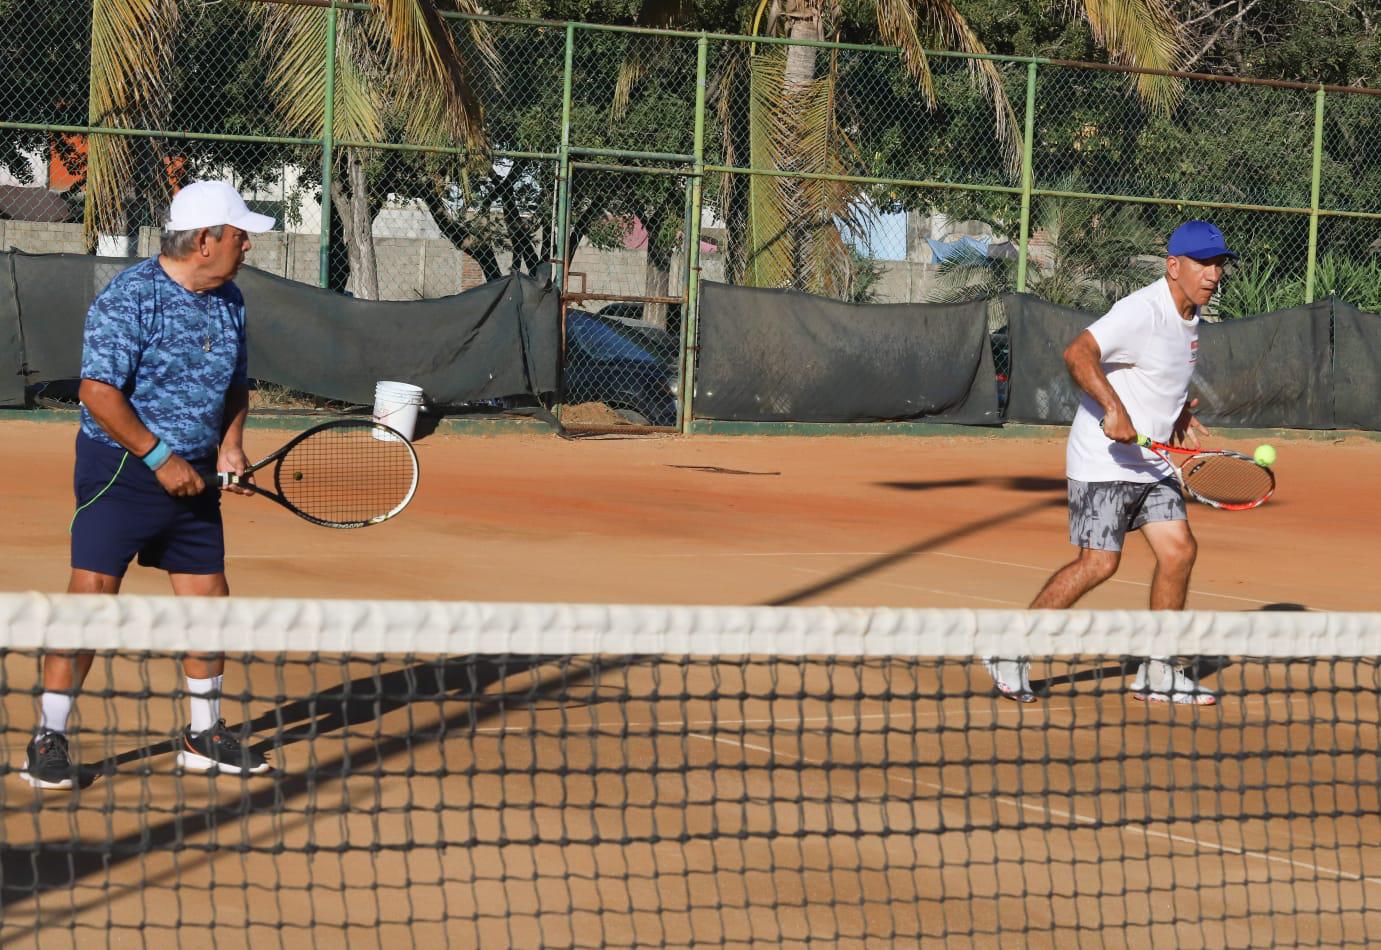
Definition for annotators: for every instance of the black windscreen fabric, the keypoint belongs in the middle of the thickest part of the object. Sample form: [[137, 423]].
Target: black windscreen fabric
[[1042, 392], [1357, 370], [55, 291], [11, 337], [499, 339], [778, 355], [1275, 370]]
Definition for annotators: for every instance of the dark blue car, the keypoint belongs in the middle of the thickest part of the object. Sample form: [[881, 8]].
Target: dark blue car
[[628, 365]]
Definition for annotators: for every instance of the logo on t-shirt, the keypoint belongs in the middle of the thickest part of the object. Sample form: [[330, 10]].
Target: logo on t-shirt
[[1193, 351]]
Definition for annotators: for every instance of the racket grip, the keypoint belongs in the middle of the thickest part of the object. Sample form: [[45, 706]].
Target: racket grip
[[226, 479]]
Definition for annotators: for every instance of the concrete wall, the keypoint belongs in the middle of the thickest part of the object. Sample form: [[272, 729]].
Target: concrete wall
[[418, 268], [38, 237]]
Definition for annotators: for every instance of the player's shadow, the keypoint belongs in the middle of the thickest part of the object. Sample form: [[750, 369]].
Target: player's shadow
[[28, 871], [1125, 669]]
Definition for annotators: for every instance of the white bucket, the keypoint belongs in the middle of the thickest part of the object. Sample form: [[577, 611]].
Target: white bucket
[[396, 406]]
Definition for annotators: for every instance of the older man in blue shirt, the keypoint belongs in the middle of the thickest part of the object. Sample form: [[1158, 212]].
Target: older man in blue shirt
[[164, 396]]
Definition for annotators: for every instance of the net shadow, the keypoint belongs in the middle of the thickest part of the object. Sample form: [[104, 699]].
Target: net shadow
[[878, 563], [27, 873]]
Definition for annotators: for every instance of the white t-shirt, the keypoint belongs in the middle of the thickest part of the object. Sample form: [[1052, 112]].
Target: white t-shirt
[[1149, 352]]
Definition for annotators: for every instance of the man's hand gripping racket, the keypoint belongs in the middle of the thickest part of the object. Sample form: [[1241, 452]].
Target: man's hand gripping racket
[[346, 474]]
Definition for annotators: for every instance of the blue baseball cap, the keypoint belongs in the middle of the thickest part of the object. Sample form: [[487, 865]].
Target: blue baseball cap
[[1199, 240]]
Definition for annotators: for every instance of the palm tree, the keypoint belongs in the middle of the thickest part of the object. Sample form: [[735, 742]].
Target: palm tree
[[131, 52], [792, 231], [397, 68], [1094, 254]]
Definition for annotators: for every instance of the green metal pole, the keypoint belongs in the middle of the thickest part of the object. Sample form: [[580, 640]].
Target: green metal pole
[[690, 316], [327, 147], [1314, 197], [563, 163], [1023, 246]]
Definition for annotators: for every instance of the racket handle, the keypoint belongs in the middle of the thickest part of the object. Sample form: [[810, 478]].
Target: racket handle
[[226, 479], [1144, 441]]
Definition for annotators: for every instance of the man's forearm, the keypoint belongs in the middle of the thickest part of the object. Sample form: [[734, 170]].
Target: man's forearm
[[233, 423], [1089, 377], [1084, 362], [113, 413]]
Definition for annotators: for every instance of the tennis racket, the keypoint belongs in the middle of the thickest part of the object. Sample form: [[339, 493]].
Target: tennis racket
[[1218, 477], [346, 474]]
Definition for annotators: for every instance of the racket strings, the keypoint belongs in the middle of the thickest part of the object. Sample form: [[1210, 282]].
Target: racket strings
[[1228, 479], [344, 475]]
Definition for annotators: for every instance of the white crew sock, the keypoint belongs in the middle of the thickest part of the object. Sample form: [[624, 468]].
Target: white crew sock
[[206, 710], [56, 708]]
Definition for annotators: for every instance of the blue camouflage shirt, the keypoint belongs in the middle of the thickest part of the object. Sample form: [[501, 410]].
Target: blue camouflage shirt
[[173, 353]]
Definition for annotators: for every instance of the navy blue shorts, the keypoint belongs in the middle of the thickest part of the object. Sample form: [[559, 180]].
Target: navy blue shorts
[[134, 516]]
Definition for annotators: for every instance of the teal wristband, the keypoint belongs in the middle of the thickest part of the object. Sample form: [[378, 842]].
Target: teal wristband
[[158, 455]]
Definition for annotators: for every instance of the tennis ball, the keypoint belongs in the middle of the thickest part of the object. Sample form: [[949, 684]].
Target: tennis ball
[[1264, 455]]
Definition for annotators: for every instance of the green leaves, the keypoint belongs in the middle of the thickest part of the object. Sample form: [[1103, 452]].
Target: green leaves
[[131, 49]]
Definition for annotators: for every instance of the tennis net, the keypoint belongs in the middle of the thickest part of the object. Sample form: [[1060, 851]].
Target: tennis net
[[567, 775]]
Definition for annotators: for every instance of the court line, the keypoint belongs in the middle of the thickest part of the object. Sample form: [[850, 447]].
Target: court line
[[968, 717], [1075, 816]]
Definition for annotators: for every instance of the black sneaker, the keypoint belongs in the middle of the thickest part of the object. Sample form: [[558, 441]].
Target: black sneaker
[[46, 762], [219, 750]]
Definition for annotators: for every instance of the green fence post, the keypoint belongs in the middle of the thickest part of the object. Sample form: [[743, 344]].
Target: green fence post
[[563, 164], [1314, 197], [327, 147], [691, 310], [1026, 176]]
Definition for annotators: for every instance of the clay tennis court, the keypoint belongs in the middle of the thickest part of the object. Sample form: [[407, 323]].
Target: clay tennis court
[[704, 802]]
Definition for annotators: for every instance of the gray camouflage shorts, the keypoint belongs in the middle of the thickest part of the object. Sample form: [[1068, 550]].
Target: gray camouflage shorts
[[1101, 513]]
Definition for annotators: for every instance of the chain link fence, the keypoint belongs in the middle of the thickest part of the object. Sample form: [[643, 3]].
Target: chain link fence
[[634, 164]]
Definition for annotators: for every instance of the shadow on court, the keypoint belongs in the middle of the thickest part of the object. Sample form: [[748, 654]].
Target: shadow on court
[[886, 560], [1010, 483], [26, 873], [1201, 667]]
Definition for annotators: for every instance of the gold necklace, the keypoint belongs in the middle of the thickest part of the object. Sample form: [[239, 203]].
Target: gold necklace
[[206, 343]]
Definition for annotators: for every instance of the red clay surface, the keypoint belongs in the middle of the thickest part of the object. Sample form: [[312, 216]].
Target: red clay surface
[[937, 522], [723, 803]]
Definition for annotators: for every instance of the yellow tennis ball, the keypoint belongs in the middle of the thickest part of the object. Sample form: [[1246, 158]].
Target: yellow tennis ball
[[1264, 455]]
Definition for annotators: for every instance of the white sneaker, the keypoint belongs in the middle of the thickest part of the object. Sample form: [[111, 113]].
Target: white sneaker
[[1159, 681], [1011, 677]]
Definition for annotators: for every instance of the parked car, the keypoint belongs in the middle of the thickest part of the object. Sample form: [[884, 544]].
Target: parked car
[[1002, 359], [634, 310], [629, 365]]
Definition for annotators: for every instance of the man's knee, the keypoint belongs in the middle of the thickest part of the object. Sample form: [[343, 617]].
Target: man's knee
[[1099, 566], [92, 582], [1177, 552], [200, 585]]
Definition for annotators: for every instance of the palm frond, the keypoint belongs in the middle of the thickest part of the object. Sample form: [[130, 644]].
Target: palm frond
[[771, 252], [646, 51], [131, 56], [294, 41], [1141, 33], [827, 210], [968, 275], [897, 27], [897, 21], [432, 78]]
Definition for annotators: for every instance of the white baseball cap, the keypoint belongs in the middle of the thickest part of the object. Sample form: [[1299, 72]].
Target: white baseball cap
[[209, 204]]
